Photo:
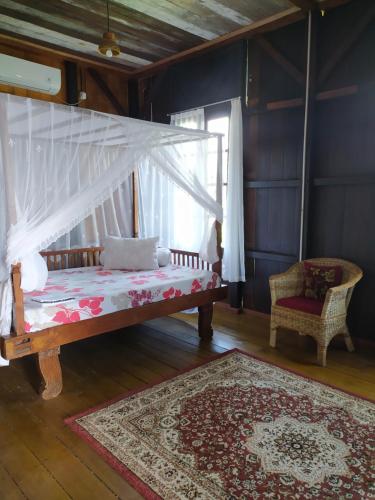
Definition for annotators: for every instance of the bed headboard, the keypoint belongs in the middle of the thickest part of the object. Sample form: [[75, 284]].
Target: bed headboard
[[85, 257], [74, 257]]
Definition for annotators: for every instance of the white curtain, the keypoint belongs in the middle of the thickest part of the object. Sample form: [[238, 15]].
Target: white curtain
[[234, 250], [59, 163], [114, 217], [168, 211]]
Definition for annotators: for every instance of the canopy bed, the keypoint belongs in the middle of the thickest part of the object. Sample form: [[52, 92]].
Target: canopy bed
[[58, 164]]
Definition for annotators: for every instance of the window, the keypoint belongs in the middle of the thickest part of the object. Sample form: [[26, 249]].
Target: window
[[213, 119], [219, 124]]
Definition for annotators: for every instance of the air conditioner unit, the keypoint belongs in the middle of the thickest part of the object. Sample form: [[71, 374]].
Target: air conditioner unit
[[29, 75]]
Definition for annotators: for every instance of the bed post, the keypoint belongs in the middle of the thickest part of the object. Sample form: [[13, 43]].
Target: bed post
[[19, 320], [206, 311], [204, 321], [50, 370], [48, 361], [217, 267], [135, 205]]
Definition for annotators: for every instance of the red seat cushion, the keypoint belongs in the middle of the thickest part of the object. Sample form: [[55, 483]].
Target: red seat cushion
[[318, 279], [311, 306]]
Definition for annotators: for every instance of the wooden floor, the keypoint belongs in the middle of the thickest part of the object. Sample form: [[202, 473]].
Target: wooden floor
[[42, 459]]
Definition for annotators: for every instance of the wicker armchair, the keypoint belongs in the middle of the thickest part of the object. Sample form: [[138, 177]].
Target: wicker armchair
[[332, 319]]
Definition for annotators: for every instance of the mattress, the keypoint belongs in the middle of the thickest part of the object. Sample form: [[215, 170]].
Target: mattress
[[77, 294]]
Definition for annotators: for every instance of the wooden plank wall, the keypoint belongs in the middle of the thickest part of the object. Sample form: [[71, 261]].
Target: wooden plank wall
[[97, 99], [212, 77], [273, 138], [341, 184], [342, 204]]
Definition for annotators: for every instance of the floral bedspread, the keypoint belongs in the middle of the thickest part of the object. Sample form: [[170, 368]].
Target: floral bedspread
[[93, 291]]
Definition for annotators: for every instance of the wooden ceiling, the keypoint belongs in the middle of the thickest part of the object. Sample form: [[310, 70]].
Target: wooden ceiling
[[151, 32]]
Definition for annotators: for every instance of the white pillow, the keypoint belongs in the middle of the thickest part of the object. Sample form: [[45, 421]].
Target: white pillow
[[164, 256], [130, 253], [34, 273]]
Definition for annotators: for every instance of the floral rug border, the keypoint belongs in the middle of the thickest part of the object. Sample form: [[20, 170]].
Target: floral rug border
[[127, 474]]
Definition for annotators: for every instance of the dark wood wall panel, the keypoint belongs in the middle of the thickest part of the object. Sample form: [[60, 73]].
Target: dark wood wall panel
[[279, 149], [256, 289], [343, 226], [341, 178], [352, 22], [343, 222], [344, 144], [342, 215], [342, 198], [272, 161], [249, 218], [275, 82], [212, 77], [276, 220]]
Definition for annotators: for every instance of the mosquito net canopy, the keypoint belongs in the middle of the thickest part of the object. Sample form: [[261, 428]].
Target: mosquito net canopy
[[58, 163]]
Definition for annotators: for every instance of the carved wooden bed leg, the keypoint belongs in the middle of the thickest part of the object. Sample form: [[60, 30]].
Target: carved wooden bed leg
[[204, 321], [50, 370]]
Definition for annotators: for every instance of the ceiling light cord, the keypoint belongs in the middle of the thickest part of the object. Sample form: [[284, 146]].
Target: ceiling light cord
[[107, 15], [108, 52], [109, 46]]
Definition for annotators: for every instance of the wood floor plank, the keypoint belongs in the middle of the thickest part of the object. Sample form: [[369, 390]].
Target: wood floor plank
[[62, 465], [79, 448], [31, 477], [112, 486], [9, 486], [57, 464], [49, 417]]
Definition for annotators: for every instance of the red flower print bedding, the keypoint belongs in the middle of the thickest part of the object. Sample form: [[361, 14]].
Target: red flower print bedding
[[77, 294]]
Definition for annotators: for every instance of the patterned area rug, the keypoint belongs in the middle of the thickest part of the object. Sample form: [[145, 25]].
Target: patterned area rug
[[237, 428]]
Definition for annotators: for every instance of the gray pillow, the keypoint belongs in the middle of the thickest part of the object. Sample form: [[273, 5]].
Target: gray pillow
[[130, 253]]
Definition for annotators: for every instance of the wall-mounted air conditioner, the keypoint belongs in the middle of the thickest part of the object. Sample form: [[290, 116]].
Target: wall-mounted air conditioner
[[29, 75]]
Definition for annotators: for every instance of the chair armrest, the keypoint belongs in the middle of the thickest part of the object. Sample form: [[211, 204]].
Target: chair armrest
[[336, 303], [286, 284]]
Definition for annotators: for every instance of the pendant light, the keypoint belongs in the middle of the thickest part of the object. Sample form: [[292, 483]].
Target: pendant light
[[109, 46]]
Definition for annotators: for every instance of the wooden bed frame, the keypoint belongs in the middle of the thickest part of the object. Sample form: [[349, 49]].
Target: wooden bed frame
[[46, 343]]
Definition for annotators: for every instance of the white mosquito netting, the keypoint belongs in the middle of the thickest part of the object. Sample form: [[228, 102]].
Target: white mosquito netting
[[58, 163]]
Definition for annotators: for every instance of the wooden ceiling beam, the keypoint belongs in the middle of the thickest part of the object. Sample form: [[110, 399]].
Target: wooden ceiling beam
[[78, 35], [270, 23], [67, 54], [253, 10], [305, 5], [277, 56], [347, 42], [126, 19], [137, 40], [331, 4], [189, 16]]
